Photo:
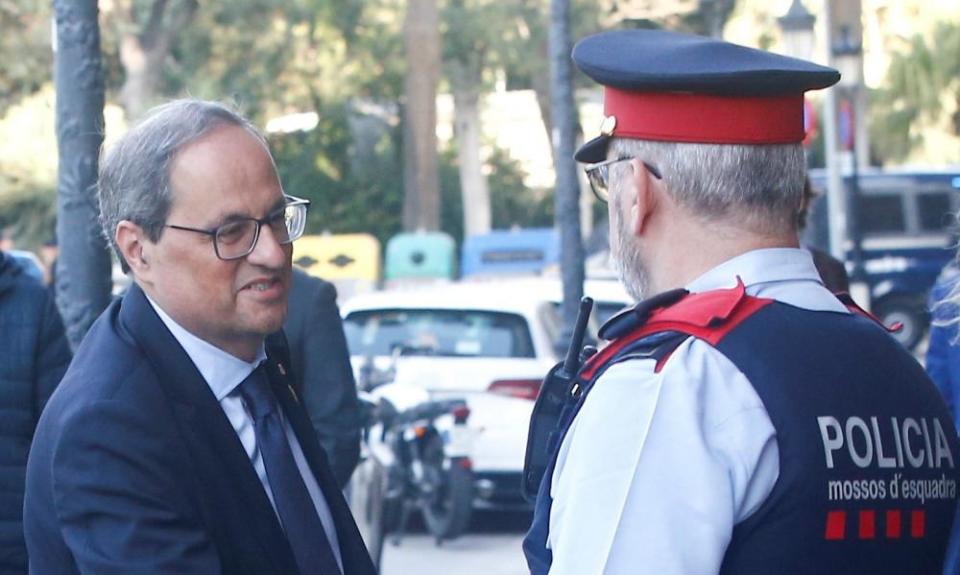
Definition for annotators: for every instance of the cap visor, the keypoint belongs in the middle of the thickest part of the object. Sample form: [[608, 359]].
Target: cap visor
[[593, 151]]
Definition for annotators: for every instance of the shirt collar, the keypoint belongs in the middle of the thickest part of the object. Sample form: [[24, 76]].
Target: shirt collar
[[222, 371], [759, 267]]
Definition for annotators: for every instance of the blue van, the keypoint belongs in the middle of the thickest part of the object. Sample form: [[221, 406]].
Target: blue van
[[908, 220]]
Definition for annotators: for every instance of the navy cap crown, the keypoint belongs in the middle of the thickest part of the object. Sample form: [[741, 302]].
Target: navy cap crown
[[661, 61], [672, 87]]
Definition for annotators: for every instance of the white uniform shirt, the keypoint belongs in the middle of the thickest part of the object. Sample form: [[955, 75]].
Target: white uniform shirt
[[224, 373], [657, 468]]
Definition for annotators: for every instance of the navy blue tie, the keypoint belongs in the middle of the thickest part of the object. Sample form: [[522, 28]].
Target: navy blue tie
[[302, 525]]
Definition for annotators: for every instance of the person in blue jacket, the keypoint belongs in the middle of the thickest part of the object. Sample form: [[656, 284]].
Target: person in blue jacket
[[943, 353], [943, 367], [34, 354]]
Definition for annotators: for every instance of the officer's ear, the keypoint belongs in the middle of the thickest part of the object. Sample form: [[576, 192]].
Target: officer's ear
[[645, 198], [135, 247]]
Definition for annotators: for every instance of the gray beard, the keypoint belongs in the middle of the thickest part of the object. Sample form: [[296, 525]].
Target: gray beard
[[626, 261], [633, 277]]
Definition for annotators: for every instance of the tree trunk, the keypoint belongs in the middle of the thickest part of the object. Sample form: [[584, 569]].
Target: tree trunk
[[421, 203], [564, 139], [473, 183], [142, 69], [144, 50], [715, 15], [541, 80], [83, 268]]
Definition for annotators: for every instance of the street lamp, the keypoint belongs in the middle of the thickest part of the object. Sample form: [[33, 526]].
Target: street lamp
[[847, 53], [797, 28]]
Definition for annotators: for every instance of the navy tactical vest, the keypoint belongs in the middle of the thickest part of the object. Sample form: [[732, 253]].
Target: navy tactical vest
[[868, 455]]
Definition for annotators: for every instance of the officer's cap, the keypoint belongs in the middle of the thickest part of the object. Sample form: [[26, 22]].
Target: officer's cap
[[674, 87]]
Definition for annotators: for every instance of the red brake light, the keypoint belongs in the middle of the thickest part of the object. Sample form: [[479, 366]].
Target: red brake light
[[520, 388], [460, 414]]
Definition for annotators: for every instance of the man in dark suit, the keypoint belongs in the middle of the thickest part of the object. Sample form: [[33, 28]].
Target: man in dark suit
[[321, 368], [175, 443]]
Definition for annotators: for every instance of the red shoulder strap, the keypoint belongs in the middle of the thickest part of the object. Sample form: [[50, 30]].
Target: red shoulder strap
[[708, 316], [846, 300]]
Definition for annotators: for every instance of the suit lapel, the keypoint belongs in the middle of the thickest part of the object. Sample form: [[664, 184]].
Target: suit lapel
[[356, 559], [219, 456]]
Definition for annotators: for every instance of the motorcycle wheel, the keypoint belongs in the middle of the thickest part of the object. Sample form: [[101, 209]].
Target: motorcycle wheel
[[446, 511]]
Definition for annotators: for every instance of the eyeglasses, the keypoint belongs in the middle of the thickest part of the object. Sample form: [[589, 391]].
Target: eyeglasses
[[599, 176], [238, 237]]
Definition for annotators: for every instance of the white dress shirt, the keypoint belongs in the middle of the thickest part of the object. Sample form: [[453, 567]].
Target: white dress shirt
[[224, 373], [658, 468]]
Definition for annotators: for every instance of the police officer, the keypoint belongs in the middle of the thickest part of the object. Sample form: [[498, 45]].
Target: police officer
[[744, 420]]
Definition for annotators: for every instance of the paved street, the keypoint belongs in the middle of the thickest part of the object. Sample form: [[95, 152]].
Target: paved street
[[492, 547]]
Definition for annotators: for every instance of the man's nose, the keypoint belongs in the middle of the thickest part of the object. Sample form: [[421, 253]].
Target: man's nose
[[268, 251]]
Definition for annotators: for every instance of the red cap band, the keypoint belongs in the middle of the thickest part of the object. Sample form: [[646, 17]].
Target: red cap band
[[706, 119]]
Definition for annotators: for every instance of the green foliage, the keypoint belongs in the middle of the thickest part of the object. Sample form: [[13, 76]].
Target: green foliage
[[451, 196], [348, 192], [340, 58], [349, 168], [212, 57], [28, 169], [511, 202], [25, 46], [27, 212], [268, 56], [709, 17], [918, 83]]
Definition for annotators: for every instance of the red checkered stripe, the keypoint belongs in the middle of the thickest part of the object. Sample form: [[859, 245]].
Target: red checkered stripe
[[864, 524]]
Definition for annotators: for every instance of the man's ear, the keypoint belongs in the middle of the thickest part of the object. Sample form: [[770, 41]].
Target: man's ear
[[644, 196], [134, 246]]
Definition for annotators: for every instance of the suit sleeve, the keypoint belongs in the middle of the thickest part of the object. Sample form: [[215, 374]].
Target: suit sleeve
[[121, 508], [329, 391]]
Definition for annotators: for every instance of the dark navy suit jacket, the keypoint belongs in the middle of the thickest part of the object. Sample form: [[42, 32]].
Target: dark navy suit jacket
[[135, 468], [321, 369]]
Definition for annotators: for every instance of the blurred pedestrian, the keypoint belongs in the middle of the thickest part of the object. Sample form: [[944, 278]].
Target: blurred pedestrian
[[175, 443], [33, 357], [49, 252], [943, 351], [320, 365], [943, 367], [6, 240], [831, 270], [742, 418]]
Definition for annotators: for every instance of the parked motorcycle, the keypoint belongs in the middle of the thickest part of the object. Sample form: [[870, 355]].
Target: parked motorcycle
[[423, 444]]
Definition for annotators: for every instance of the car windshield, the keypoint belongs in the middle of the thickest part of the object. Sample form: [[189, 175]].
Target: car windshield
[[463, 333]]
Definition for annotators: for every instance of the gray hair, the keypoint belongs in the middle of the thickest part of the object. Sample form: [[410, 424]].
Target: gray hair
[[134, 180], [758, 187]]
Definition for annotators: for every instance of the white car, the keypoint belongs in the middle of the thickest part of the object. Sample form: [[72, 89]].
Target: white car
[[489, 342]]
